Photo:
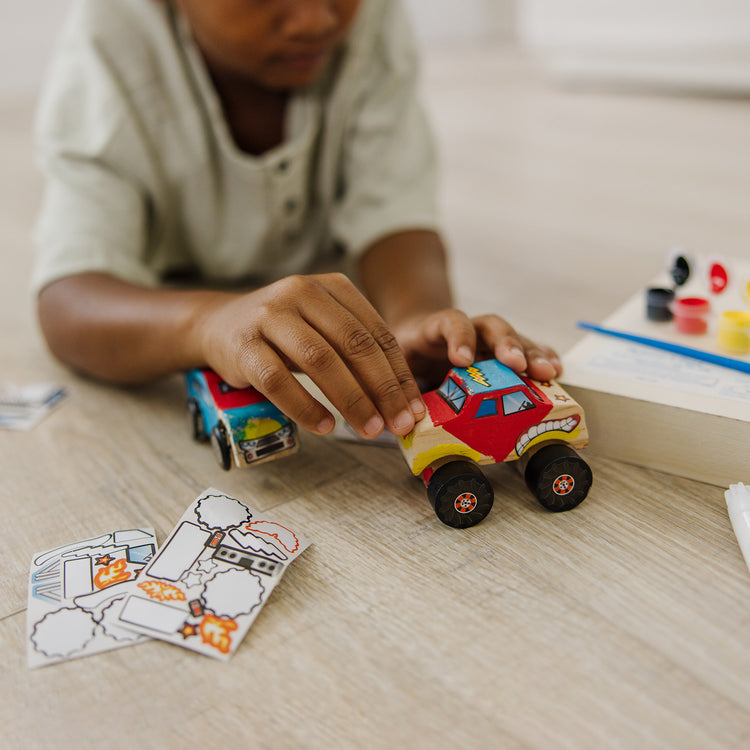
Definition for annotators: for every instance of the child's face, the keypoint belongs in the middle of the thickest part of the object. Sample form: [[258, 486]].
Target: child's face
[[276, 44]]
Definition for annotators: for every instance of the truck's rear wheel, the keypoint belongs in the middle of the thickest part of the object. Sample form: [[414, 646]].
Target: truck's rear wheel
[[558, 477], [195, 421], [220, 444], [460, 494]]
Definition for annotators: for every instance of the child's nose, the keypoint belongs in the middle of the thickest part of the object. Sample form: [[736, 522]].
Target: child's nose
[[310, 18]]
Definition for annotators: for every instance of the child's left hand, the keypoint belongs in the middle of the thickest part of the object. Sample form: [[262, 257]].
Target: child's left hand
[[436, 341]]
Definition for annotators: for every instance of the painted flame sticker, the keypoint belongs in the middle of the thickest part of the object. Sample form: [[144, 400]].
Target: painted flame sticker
[[110, 574]]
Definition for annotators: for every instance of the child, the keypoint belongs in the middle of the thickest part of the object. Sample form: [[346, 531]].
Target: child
[[251, 143]]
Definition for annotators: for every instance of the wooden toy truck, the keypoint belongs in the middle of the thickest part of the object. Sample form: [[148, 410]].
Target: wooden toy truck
[[486, 414], [243, 426]]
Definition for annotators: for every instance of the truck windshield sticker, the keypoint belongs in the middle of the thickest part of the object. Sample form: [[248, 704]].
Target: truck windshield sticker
[[516, 402], [453, 394]]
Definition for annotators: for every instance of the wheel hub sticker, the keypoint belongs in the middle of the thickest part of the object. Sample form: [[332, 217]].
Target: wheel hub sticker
[[563, 484], [465, 502]]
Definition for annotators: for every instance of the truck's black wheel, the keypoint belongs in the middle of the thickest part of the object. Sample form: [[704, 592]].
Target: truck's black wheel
[[558, 477], [460, 494], [220, 444], [195, 421]]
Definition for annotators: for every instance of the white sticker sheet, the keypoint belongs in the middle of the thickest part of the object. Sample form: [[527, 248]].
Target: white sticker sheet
[[76, 592], [210, 579]]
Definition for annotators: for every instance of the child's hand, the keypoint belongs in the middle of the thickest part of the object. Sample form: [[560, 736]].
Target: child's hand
[[434, 342], [322, 326]]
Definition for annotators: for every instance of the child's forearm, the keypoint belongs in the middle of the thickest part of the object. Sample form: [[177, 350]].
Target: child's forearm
[[320, 325], [405, 274], [116, 331]]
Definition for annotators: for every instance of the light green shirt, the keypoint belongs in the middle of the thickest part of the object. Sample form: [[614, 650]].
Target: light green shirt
[[143, 180]]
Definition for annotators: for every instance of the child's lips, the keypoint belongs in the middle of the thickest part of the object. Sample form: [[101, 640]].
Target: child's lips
[[305, 60]]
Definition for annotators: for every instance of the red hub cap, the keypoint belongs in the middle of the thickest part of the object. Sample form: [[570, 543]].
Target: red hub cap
[[465, 502], [563, 485]]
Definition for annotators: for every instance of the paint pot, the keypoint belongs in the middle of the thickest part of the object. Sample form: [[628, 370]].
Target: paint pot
[[680, 267], [733, 332], [718, 276], [691, 314], [659, 303]]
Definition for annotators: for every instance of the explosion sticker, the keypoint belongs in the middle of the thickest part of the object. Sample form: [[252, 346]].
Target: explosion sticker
[[215, 631], [161, 591]]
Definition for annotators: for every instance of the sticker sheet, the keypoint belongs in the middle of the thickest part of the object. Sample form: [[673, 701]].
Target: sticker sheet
[[210, 579], [75, 593], [23, 406]]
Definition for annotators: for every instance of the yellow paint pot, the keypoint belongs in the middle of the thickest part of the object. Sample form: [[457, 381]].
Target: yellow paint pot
[[733, 333]]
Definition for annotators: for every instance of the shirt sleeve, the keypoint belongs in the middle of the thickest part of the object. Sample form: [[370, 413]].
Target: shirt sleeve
[[95, 207], [388, 170]]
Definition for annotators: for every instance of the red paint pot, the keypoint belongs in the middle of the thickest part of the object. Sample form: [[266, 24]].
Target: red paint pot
[[691, 314]]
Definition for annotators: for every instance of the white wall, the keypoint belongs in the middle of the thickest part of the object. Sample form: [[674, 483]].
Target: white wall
[[460, 20], [685, 44], [27, 29]]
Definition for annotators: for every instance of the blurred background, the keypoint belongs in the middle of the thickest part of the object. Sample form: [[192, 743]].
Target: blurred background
[[702, 45], [698, 45], [598, 133]]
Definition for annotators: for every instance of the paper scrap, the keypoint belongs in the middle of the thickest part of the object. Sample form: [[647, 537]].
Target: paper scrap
[[23, 406]]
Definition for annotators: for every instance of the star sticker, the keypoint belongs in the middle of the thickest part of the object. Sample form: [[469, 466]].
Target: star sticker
[[561, 397], [206, 566], [191, 578], [105, 559], [187, 630]]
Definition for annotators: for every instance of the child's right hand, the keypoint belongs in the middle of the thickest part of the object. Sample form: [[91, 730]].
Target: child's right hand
[[322, 326]]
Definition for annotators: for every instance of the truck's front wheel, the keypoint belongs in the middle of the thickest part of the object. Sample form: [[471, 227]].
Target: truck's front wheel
[[559, 478], [460, 494], [220, 444]]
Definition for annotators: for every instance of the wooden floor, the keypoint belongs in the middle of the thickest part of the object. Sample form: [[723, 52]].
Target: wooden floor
[[622, 624]]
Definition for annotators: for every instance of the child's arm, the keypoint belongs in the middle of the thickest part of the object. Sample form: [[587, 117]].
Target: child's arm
[[320, 325], [405, 276]]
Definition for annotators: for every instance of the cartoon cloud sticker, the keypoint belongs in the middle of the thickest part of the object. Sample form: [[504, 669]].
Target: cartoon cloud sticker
[[233, 593], [63, 632], [221, 512]]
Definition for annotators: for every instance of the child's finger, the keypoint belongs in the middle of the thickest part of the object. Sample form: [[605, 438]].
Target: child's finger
[[372, 351], [543, 362], [499, 337], [516, 351], [345, 356], [457, 332], [269, 374]]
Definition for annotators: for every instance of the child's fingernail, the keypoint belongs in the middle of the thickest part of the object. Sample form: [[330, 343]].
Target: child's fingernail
[[404, 421], [417, 408], [465, 352], [325, 425], [374, 427]]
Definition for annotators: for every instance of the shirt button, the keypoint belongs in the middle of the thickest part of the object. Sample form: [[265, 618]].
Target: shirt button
[[290, 205], [282, 166]]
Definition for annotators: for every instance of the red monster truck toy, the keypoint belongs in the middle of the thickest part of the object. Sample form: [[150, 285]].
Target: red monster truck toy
[[486, 414]]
